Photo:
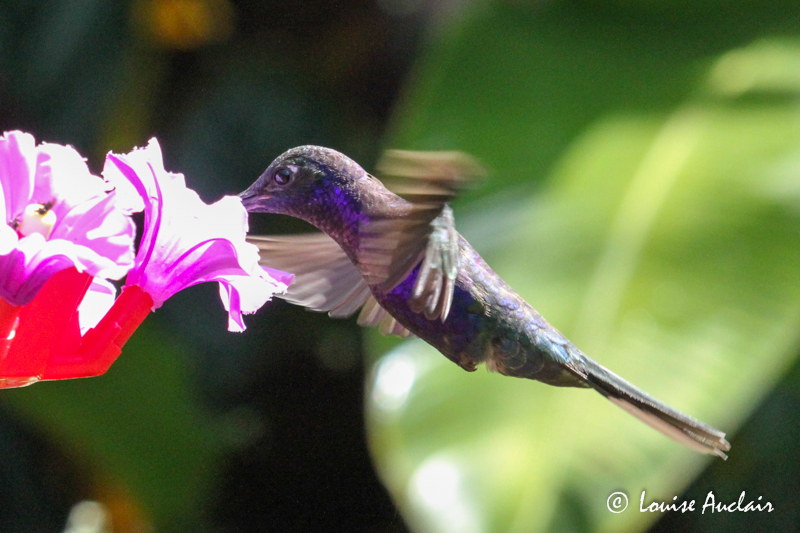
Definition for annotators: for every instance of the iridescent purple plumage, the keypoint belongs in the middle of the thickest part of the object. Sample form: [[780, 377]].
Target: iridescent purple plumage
[[402, 260]]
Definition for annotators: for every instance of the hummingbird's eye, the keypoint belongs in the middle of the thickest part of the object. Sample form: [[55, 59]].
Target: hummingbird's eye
[[283, 176]]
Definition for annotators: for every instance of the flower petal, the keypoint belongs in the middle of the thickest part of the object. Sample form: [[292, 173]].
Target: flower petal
[[185, 241], [241, 295], [62, 174], [96, 303], [105, 232], [25, 269], [8, 239], [17, 172], [90, 232]]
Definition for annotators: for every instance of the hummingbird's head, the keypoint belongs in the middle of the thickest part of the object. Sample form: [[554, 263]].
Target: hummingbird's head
[[308, 182]]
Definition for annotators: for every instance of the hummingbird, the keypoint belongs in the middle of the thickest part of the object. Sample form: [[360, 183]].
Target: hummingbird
[[396, 255]]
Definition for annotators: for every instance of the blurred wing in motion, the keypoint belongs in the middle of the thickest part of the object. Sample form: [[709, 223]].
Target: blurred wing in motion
[[392, 246], [325, 279]]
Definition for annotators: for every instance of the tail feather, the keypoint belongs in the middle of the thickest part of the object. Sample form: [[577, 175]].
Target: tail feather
[[672, 423]]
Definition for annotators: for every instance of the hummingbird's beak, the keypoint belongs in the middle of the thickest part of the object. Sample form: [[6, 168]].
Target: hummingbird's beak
[[251, 200]]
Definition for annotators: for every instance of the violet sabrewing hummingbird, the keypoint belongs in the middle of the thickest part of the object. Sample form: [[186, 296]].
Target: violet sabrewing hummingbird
[[399, 258]]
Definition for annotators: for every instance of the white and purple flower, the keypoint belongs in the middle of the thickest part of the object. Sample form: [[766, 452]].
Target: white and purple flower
[[185, 241], [57, 215], [67, 232]]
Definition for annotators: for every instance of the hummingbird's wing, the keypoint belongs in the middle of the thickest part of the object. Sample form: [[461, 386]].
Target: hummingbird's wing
[[392, 246], [325, 278], [372, 314]]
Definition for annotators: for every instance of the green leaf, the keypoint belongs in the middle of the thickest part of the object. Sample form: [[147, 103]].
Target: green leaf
[[138, 426], [665, 244]]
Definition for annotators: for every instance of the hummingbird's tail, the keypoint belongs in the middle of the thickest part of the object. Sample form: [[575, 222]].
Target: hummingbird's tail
[[672, 423]]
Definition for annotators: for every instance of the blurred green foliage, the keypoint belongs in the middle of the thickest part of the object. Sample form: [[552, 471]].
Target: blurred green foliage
[[654, 159]]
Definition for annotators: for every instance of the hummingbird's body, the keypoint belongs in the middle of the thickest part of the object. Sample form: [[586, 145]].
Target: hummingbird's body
[[412, 273], [488, 323]]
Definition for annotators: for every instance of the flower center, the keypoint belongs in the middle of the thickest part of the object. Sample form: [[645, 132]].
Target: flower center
[[37, 218]]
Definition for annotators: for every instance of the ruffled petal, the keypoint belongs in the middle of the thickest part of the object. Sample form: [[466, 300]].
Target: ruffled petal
[[185, 241], [62, 174], [241, 295], [132, 177], [18, 156]]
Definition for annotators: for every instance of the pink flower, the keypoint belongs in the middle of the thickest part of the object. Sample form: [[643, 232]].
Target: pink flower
[[56, 215], [186, 241], [65, 233]]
